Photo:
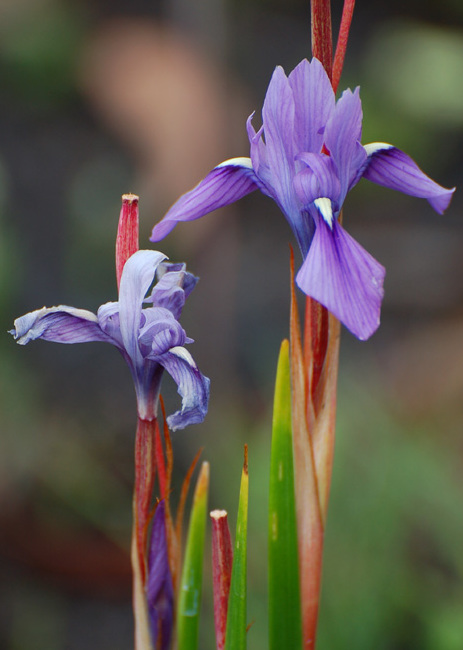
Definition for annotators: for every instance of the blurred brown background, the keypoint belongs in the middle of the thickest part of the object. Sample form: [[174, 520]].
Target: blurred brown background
[[105, 97]]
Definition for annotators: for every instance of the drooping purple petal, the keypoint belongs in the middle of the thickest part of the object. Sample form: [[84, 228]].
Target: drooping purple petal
[[317, 180], [137, 276], [314, 101], [225, 184], [342, 138], [391, 167], [193, 387], [343, 277], [159, 589], [61, 324]]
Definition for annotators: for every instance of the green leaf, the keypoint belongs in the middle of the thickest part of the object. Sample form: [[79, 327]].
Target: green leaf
[[191, 583], [285, 629], [236, 619]]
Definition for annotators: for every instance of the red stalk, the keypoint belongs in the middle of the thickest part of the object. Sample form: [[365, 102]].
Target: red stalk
[[144, 482], [322, 42], [222, 561], [127, 233], [341, 45]]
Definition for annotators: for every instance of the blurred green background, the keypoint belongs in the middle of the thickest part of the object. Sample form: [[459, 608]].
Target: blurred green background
[[105, 97]]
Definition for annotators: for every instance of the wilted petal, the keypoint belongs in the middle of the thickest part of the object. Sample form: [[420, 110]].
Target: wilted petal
[[314, 102], [392, 168], [174, 285], [227, 183], [193, 387], [59, 324], [160, 332], [187, 280], [159, 590], [342, 138], [343, 277], [137, 276]]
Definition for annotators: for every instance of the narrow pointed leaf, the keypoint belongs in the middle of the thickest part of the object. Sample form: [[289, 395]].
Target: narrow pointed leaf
[[191, 583], [285, 627], [236, 619]]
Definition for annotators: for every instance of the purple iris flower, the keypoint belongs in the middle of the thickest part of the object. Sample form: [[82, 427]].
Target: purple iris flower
[[159, 589], [311, 157], [143, 327]]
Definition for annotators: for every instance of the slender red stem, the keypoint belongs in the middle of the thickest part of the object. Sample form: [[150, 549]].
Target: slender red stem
[[322, 41], [144, 482], [341, 45]]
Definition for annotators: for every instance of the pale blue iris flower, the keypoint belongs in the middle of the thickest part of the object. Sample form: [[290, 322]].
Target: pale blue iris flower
[[145, 329]]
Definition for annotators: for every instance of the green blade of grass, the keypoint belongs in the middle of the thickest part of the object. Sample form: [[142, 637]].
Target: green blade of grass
[[285, 630], [235, 638], [191, 583]]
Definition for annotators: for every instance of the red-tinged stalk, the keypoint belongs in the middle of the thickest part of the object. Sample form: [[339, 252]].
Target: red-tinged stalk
[[222, 561], [341, 45], [308, 510], [127, 233], [322, 42], [144, 482]]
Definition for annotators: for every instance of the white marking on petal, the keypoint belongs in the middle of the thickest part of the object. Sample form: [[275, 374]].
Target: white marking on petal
[[236, 162], [182, 353], [323, 205], [373, 147]]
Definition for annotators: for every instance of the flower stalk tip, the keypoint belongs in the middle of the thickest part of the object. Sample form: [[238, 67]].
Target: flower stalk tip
[[127, 239], [222, 561]]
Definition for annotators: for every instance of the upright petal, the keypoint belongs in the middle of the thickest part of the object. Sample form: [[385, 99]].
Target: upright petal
[[313, 101], [59, 324], [342, 138], [386, 165], [343, 277], [278, 117], [137, 276], [159, 589], [225, 184], [193, 387]]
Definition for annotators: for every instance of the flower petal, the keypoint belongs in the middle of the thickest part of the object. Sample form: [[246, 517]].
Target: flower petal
[[343, 277], [314, 102], [192, 386], [174, 285], [227, 183], [318, 180], [137, 276], [159, 589], [278, 119], [61, 324], [342, 138], [160, 332], [391, 167]]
